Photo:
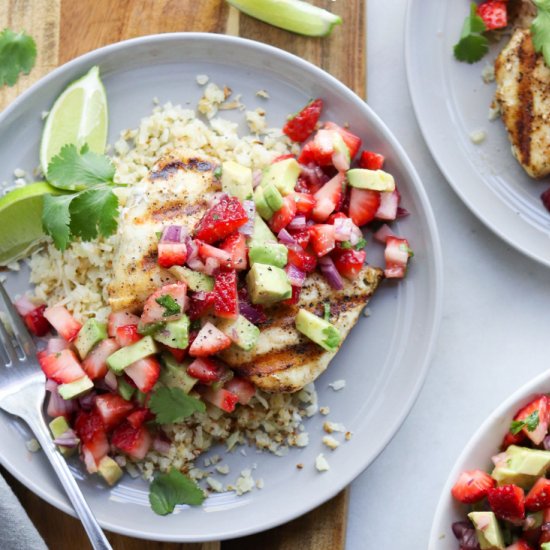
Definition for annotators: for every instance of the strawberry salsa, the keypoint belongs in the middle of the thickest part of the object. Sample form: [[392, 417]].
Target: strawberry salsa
[[114, 385], [510, 507]]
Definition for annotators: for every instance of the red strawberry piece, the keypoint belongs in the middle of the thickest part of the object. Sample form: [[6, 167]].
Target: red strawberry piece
[[120, 319], [127, 334], [95, 364], [144, 373], [336, 216], [282, 157], [322, 147], [371, 160], [170, 254], [226, 302], [494, 14], [222, 219], [221, 398], [519, 545], [349, 262], [139, 416], [322, 238], [389, 205], [307, 153], [302, 259], [363, 205], [302, 186], [328, 198], [91, 431], [63, 367], [301, 237], [545, 197], [155, 312], [36, 322], [396, 253], [472, 486], [507, 502], [200, 303], [512, 439], [134, 442], [304, 202], [206, 370], [284, 215], [235, 246], [295, 298], [112, 409], [539, 495], [243, 389], [222, 258], [352, 141], [538, 407], [177, 354], [301, 125], [209, 340], [62, 321]]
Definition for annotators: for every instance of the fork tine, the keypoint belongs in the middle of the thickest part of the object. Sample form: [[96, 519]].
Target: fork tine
[[19, 329], [7, 344]]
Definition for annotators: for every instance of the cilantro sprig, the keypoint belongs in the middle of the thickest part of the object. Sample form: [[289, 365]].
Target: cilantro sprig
[[168, 490], [171, 405], [473, 45], [171, 307], [531, 423], [540, 29], [90, 208], [17, 55]]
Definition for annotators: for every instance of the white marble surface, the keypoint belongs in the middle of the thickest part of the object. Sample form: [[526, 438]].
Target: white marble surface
[[494, 334]]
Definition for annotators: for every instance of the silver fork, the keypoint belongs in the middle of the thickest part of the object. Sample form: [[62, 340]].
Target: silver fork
[[22, 390]]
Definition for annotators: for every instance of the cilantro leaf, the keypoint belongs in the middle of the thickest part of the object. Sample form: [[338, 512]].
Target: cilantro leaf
[[332, 338], [326, 315], [172, 405], [361, 243], [531, 423], [540, 29], [17, 55], [94, 212], [173, 488], [171, 307], [472, 45], [56, 219], [346, 245]]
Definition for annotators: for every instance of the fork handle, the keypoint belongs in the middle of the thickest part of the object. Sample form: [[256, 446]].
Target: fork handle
[[95, 533]]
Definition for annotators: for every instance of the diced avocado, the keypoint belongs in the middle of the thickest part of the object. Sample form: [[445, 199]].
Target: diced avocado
[[193, 279], [545, 546], [267, 284], [376, 180], [90, 334], [272, 196], [125, 390], [534, 520], [76, 388], [341, 147], [175, 333], [124, 357], [174, 374], [148, 329], [58, 426], [261, 232], [488, 530], [261, 204], [320, 331], [521, 466], [237, 180], [283, 174], [268, 253], [109, 470], [241, 332]]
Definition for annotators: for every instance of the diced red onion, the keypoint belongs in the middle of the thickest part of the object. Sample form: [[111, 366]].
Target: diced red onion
[[211, 265], [23, 305], [86, 402], [196, 265], [111, 380], [57, 406], [256, 178], [402, 212], [67, 439], [171, 234], [192, 249], [383, 233], [51, 385], [297, 224], [161, 445], [314, 174], [252, 313], [55, 345], [328, 269], [285, 237], [466, 535], [296, 277], [250, 209], [546, 443], [216, 198]]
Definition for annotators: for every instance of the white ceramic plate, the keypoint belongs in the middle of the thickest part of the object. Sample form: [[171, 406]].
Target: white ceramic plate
[[450, 101], [484, 444], [385, 358]]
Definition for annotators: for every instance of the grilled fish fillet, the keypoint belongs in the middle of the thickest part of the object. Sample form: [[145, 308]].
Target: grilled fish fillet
[[523, 95], [175, 192], [284, 360]]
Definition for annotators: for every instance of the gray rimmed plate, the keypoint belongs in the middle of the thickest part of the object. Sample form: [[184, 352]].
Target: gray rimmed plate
[[451, 101], [384, 360]]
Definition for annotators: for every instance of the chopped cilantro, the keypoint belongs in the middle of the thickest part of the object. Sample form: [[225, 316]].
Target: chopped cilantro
[[168, 490], [473, 45], [531, 423], [360, 244], [172, 405], [171, 307], [540, 29], [346, 245], [326, 316], [17, 55], [218, 172]]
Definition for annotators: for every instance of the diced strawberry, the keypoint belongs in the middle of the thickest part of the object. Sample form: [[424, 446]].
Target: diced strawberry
[[91, 431], [301, 237], [222, 257], [304, 202], [494, 14], [62, 321], [282, 157], [63, 367], [155, 312], [328, 198], [112, 409], [144, 373], [56, 344], [307, 154], [138, 417], [302, 186], [545, 198], [120, 319], [88, 459], [235, 245], [95, 364], [295, 298], [349, 262], [389, 203], [539, 495], [363, 205], [134, 442], [397, 254], [284, 215], [519, 545], [336, 216], [36, 322], [512, 439], [200, 303], [538, 411], [322, 148], [371, 160], [382, 234], [127, 334], [352, 141], [177, 354], [221, 398], [301, 125], [322, 238], [243, 389], [170, 254], [209, 340], [206, 370], [301, 259], [226, 302], [507, 502], [224, 218], [472, 486]]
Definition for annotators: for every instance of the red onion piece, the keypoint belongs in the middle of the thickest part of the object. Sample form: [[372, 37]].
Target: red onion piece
[[250, 209], [86, 402], [171, 234], [328, 269], [51, 386], [211, 266], [402, 212], [383, 233], [466, 535], [314, 174], [57, 406], [256, 178], [23, 305], [342, 229], [285, 237], [296, 277], [297, 224], [67, 439], [161, 445], [111, 380]]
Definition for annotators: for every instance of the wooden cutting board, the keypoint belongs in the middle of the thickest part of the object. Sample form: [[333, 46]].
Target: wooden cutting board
[[64, 29]]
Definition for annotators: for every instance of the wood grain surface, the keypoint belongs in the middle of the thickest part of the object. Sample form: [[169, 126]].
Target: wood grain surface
[[64, 29]]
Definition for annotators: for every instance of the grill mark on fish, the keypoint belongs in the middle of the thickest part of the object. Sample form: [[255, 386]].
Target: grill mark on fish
[[166, 170]]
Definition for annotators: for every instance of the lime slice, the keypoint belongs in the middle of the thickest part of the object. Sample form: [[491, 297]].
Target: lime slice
[[291, 15], [21, 220], [78, 116]]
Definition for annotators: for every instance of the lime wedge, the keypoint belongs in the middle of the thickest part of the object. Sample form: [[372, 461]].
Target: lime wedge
[[78, 116], [21, 220], [291, 15]]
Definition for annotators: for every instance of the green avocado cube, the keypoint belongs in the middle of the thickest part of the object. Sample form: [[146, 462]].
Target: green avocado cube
[[320, 331], [124, 357], [241, 332], [488, 530], [261, 232], [273, 197], [76, 388], [125, 389], [58, 426], [521, 466], [195, 280], [175, 333], [237, 180], [261, 204], [267, 284], [89, 335], [545, 546], [283, 174], [268, 253], [109, 470], [175, 374], [375, 180]]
